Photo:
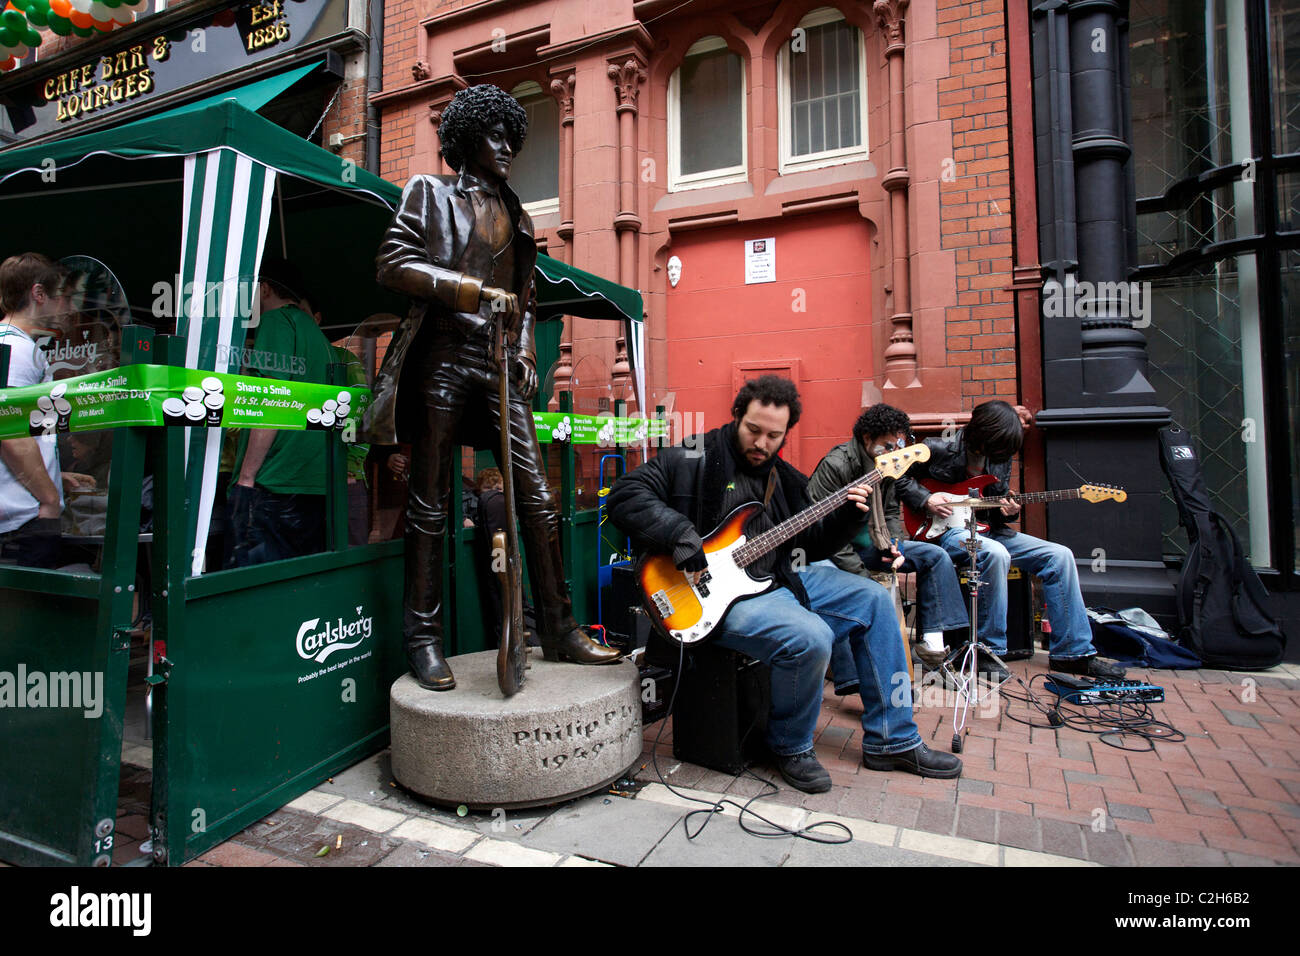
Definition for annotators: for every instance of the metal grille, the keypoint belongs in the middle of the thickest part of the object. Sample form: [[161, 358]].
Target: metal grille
[[825, 111]]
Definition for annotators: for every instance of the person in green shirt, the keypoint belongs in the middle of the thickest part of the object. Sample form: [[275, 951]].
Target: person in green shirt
[[277, 499]]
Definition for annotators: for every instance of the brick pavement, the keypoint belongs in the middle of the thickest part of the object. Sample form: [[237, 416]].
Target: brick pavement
[[1228, 795]]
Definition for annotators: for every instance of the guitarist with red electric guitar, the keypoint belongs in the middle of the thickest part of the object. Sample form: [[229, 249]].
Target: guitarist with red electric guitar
[[979, 457]]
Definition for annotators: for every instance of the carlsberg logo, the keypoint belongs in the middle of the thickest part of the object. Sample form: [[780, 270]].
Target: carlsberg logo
[[316, 642]]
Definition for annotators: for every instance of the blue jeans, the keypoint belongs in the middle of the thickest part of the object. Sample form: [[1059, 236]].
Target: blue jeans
[[796, 643], [940, 605], [1055, 567]]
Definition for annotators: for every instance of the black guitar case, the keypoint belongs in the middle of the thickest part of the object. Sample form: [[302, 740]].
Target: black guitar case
[[1224, 613]]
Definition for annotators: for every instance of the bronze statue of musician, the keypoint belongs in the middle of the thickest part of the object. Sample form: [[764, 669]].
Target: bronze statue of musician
[[463, 249]]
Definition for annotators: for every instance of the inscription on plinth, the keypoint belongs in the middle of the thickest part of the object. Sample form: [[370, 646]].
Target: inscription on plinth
[[570, 731]]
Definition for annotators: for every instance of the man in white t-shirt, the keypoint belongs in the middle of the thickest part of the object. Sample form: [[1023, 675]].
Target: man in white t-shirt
[[31, 499]]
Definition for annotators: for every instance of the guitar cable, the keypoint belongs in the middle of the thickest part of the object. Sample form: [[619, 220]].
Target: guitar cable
[[811, 832], [1113, 723]]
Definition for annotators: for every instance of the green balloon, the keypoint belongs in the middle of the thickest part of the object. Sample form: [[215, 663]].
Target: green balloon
[[83, 31], [31, 38], [38, 14], [8, 38], [20, 4], [13, 20], [59, 25]]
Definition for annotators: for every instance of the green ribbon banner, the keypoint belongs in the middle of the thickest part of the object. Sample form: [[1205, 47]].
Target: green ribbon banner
[[603, 430], [167, 395]]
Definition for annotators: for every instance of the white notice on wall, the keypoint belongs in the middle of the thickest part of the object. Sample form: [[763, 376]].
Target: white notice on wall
[[760, 260]]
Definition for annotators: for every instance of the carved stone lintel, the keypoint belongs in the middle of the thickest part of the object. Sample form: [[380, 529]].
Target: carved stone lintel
[[419, 70], [562, 90], [628, 77], [890, 15]]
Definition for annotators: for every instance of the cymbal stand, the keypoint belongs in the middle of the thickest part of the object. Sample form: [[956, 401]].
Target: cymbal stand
[[965, 677]]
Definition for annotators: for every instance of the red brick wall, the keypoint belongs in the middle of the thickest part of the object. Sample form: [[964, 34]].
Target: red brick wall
[[975, 209], [397, 140], [400, 40]]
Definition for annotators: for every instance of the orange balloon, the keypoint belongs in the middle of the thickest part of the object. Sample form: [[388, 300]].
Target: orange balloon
[[62, 8], [8, 64], [104, 27], [80, 19]]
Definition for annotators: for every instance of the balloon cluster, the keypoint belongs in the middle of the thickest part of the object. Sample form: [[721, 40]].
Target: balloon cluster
[[83, 18]]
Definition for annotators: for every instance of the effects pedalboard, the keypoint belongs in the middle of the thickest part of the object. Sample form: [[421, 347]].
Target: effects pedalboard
[[1087, 690]]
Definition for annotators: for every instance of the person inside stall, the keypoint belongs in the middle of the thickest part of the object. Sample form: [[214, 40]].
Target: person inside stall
[[277, 499], [358, 486], [34, 305]]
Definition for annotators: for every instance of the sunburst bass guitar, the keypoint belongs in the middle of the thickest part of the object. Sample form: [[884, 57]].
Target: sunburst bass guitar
[[688, 613]]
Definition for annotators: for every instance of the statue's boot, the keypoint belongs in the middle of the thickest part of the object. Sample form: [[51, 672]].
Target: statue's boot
[[562, 639], [421, 612]]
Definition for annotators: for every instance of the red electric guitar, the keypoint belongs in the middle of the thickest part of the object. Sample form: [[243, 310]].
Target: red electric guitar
[[923, 526]]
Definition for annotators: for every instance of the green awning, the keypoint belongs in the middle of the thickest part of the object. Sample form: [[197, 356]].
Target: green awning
[[252, 96], [228, 121], [566, 290]]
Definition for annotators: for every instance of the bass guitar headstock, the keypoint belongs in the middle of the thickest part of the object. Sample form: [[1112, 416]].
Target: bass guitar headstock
[[893, 464], [1096, 493]]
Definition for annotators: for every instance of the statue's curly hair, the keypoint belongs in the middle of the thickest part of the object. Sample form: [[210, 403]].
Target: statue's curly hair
[[471, 113]]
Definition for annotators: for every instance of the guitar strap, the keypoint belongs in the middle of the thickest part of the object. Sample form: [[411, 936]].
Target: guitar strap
[[771, 487]]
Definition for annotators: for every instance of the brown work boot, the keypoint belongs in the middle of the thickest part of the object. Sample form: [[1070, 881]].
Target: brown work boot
[[422, 612], [562, 639], [577, 647]]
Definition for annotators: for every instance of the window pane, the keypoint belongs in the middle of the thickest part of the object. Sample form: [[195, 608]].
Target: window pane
[[536, 172], [1291, 342], [711, 87], [1202, 374], [1180, 90], [828, 102], [1284, 40]]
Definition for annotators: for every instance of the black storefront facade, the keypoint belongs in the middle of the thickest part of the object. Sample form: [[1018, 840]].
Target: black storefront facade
[[1167, 147]]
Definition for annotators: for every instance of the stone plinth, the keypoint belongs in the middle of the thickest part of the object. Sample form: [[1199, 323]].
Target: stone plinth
[[570, 731]]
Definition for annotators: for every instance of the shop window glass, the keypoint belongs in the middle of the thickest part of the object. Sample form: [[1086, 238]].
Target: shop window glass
[[707, 116], [535, 174]]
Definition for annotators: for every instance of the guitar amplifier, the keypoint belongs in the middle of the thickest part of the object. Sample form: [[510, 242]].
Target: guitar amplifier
[[1020, 609], [626, 623], [723, 699]]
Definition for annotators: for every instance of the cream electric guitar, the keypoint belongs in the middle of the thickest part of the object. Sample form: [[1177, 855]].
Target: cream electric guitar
[[923, 526], [688, 613]]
